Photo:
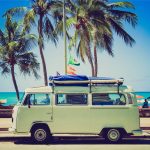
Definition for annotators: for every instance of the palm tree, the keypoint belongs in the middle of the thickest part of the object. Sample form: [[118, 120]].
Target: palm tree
[[15, 46], [76, 19], [97, 19], [113, 18], [44, 11], [81, 18]]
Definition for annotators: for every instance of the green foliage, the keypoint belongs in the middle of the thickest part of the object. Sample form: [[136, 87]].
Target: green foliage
[[15, 50], [16, 11], [94, 22], [44, 13], [29, 19], [121, 5]]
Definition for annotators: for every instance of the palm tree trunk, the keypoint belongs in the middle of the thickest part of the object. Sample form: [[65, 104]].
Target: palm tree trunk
[[40, 43], [92, 67], [14, 82], [95, 61]]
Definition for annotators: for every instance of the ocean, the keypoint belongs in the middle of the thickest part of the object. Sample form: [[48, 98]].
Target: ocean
[[12, 100], [10, 97]]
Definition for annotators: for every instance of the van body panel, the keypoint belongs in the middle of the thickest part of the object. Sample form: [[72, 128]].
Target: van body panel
[[71, 119], [114, 117], [26, 117]]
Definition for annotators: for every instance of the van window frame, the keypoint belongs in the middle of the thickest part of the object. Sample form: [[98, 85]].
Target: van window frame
[[63, 104], [130, 98], [113, 105], [24, 99]]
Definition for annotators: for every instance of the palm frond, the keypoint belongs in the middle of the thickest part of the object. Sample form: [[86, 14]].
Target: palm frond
[[2, 38], [81, 51], [106, 44], [12, 45], [131, 18], [71, 21], [29, 20], [59, 28], [73, 40], [121, 32], [97, 14], [4, 68], [71, 5], [28, 64], [26, 43], [121, 5], [49, 30], [19, 11]]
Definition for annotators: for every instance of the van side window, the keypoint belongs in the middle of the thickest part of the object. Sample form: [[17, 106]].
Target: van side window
[[37, 99], [108, 99], [71, 99]]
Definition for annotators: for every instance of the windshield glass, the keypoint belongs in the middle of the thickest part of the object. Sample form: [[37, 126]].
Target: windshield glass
[[22, 94], [22, 97]]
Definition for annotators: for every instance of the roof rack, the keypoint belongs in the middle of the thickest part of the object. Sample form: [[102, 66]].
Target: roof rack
[[70, 80]]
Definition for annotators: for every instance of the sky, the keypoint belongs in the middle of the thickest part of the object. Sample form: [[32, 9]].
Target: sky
[[131, 63]]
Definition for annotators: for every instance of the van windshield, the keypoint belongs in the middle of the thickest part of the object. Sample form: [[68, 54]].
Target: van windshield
[[37, 99], [22, 94]]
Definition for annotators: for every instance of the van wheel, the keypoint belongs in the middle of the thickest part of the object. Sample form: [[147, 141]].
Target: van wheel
[[113, 135], [40, 135]]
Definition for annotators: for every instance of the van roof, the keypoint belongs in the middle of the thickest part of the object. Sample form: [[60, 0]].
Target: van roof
[[42, 89]]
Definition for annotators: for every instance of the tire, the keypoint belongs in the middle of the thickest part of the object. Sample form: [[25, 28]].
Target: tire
[[113, 135], [40, 134]]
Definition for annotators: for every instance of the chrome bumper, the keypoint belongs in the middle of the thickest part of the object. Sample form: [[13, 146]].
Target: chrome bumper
[[12, 130], [137, 132]]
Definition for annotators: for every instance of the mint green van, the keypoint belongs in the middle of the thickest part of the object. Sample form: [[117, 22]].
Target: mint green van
[[107, 110]]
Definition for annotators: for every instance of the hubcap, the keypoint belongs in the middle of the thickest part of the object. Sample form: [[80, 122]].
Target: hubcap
[[40, 135], [113, 135]]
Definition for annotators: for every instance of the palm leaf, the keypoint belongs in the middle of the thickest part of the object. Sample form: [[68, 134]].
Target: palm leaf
[[73, 40], [71, 21], [19, 11], [121, 32], [106, 43], [131, 18], [81, 51], [29, 19], [59, 28], [2, 38], [121, 4], [28, 64], [4, 68], [49, 30]]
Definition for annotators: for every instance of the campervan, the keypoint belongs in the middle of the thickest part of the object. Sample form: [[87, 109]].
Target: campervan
[[99, 106]]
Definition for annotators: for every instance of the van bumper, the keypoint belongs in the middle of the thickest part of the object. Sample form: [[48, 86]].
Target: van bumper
[[18, 134], [12, 130], [137, 132]]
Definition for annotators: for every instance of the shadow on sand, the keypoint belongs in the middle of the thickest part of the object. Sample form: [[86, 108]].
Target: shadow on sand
[[77, 141]]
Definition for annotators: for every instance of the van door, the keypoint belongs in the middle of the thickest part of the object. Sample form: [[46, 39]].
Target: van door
[[71, 113], [35, 108]]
